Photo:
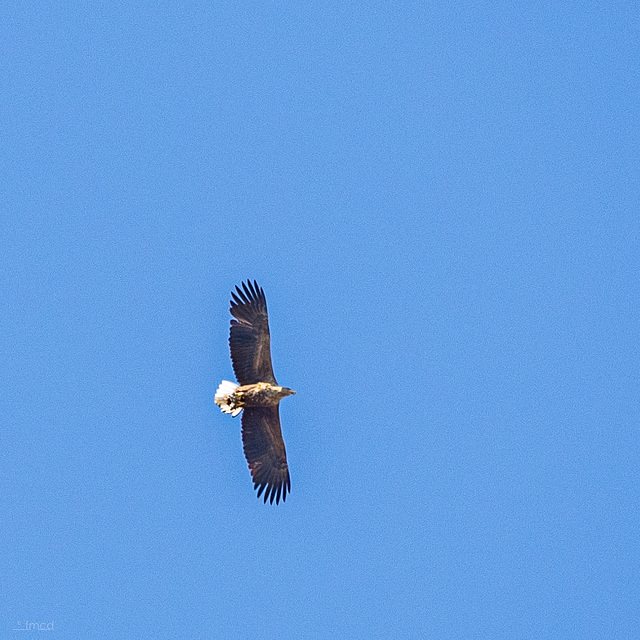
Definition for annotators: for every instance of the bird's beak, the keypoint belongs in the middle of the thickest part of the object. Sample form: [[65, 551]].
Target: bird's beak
[[291, 392]]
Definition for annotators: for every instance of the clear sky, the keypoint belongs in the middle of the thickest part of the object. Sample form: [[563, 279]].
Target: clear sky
[[440, 201]]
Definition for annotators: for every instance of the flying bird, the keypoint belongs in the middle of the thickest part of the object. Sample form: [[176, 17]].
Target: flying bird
[[258, 394]]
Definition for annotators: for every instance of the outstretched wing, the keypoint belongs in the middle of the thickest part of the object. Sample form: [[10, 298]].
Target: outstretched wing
[[249, 338], [265, 452]]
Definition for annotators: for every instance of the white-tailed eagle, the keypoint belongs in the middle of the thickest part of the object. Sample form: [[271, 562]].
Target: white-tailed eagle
[[258, 394]]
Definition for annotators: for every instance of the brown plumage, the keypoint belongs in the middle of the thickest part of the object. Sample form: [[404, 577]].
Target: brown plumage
[[259, 395], [249, 338]]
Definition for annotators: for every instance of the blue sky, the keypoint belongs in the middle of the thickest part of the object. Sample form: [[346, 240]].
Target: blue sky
[[440, 201]]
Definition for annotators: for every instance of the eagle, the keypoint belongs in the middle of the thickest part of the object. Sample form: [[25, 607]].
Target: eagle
[[258, 394]]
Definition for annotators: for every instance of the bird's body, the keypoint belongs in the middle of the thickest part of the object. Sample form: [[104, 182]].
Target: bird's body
[[261, 394], [258, 393]]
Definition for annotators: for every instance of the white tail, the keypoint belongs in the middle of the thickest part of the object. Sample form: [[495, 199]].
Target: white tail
[[223, 397]]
